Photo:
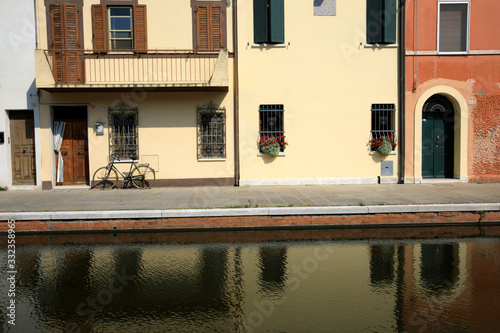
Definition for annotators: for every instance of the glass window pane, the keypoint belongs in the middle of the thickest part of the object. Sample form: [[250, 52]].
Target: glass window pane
[[120, 11], [121, 34], [121, 23], [121, 44]]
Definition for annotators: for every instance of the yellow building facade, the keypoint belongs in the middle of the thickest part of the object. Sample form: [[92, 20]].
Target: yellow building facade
[[143, 80], [327, 73], [193, 88]]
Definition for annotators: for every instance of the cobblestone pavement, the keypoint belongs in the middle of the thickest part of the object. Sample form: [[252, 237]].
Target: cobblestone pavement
[[82, 199]]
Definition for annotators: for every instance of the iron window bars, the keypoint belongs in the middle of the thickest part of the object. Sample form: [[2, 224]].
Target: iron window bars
[[383, 120], [211, 132], [271, 121], [123, 133]]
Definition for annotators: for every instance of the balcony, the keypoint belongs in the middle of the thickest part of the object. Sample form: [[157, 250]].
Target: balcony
[[103, 70]]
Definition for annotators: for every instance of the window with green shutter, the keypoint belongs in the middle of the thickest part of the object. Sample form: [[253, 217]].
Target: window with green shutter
[[269, 21], [381, 21]]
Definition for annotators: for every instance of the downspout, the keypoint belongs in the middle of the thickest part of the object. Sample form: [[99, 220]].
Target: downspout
[[235, 97], [401, 89]]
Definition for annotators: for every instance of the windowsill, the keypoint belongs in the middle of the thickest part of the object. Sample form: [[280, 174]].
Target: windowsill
[[111, 52], [375, 153], [381, 46], [262, 154], [211, 159], [126, 161], [439, 53], [256, 45]]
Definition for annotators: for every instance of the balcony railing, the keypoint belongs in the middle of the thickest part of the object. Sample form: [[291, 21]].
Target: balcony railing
[[103, 68]]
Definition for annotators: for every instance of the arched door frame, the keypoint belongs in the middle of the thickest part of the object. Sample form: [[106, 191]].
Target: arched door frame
[[461, 126]]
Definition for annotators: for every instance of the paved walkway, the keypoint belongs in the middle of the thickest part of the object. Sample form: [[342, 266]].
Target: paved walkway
[[247, 197]]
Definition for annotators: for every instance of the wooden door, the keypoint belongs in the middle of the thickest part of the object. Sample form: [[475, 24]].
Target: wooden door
[[437, 146], [22, 133], [74, 151]]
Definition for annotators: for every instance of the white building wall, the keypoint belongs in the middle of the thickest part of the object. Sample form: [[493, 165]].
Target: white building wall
[[17, 77]]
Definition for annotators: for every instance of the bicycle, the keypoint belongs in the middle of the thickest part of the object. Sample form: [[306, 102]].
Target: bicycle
[[140, 175]]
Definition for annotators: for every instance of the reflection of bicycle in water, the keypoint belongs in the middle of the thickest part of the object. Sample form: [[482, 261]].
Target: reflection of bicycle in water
[[140, 175]]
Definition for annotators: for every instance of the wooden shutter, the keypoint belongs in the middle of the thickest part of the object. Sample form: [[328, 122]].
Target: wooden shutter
[[216, 37], [202, 28], [140, 32], [390, 21], [72, 65], [260, 21], [374, 10], [99, 27], [209, 27], [56, 23], [66, 64], [277, 28]]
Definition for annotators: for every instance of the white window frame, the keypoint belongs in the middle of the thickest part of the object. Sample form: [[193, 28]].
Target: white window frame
[[453, 2], [131, 28]]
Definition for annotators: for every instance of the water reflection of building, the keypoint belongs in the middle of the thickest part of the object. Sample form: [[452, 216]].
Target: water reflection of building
[[134, 285], [436, 281], [273, 269], [382, 264], [210, 287]]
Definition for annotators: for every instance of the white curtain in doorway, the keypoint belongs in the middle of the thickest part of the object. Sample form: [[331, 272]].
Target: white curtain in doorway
[[59, 127]]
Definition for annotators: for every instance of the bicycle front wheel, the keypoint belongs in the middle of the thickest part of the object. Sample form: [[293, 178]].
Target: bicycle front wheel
[[143, 177], [105, 178]]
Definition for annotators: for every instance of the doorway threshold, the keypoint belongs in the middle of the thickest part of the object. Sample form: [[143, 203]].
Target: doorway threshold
[[22, 188], [440, 180], [72, 187]]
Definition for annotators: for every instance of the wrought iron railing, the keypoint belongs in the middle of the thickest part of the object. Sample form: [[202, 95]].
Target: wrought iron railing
[[137, 67]]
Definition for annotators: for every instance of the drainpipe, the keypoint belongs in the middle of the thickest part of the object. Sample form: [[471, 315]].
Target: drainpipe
[[235, 97], [401, 89]]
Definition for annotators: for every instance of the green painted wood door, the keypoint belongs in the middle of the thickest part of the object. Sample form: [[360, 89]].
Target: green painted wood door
[[437, 146]]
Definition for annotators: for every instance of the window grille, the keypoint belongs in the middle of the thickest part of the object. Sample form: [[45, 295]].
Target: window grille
[[123, 132], [211, 132], [271, 121], [383, 122]]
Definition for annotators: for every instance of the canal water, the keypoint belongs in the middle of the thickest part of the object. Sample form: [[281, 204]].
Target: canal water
[[305, 281]]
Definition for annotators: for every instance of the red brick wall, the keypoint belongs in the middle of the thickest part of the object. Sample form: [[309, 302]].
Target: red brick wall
[[486, 141], [256, 222]]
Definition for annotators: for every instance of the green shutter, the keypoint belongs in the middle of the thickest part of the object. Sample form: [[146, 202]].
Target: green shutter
[[277, 13], [374, 30], [390, 22], [260, 28]]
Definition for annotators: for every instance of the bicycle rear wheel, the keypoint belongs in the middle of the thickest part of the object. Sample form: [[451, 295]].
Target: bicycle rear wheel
[[105, 178], [143, 177]]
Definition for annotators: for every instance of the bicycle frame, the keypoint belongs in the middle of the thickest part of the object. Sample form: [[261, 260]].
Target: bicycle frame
[[126, 176]]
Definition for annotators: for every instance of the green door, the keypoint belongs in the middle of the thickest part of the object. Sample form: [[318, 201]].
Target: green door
[[437, 145]]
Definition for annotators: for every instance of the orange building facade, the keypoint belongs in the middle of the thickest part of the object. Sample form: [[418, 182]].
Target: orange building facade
[[452, 90]]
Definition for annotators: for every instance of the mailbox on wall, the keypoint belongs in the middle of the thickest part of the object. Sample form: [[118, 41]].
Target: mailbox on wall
[[99, 128]]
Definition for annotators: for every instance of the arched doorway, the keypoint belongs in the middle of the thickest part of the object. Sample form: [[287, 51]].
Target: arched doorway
[[438, 120]]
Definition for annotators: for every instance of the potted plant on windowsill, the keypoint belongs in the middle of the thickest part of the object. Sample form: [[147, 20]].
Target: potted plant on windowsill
[[383, 145], [272, 146]]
